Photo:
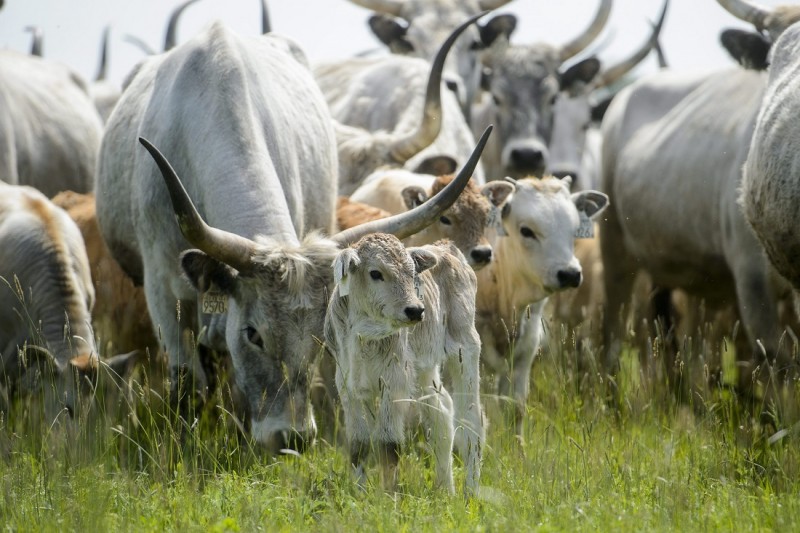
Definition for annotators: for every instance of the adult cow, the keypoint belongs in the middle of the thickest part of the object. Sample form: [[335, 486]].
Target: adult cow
[[244, 123], [49, 128], [415, 28], [399, 101], [770, 184], [672, 155], [522, 82]]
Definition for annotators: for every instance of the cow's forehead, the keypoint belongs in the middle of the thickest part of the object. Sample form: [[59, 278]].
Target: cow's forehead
[[414, 10], [546, 201], [382, 249], [525, 62]]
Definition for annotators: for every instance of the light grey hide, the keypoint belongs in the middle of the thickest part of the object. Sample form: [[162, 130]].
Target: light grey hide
[[770, 186], [47, 296], [521, 84], [416, 27], [673, 148], [392, 341], [465, 223], [386, 96], [49, 128], [246, 127], [535, 259]]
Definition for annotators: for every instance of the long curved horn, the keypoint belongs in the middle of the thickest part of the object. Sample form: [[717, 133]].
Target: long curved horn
[[36, 44], [389, 7], [42, 358], [747, 11], [405, 148], [488, 5], [170, 40], [582, 41], [411, 222], [266, 27], [139, 43], [229, 248], [614, 73], [102, 69]]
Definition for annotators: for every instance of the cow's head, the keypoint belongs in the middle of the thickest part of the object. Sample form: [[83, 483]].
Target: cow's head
[[272, 296], [524, 82], [575, 108], [465, 222], [542, 220], [415, 27], [380, 278], [773, 21]]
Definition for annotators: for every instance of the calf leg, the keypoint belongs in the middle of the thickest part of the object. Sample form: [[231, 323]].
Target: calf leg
[[437, 414]]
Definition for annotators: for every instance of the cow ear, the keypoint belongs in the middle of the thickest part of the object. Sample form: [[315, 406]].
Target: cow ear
[[582, 71], [205, 272], [590, 203], [497, 192], [748, 48], [414, 196], [390, 32], [423, 259], [437, 165], [123, 365], [344, 264], [501, 25]]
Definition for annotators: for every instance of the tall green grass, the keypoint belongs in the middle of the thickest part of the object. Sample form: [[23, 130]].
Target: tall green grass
[[701, 462]]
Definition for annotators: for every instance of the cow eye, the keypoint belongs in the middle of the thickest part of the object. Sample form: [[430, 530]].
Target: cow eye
[[445, 221], [554, 99], [527, 232], [497, 100], [254, 337], [376, 275]]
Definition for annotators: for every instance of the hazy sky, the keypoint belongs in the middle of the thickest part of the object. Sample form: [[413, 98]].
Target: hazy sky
[[330, 29]]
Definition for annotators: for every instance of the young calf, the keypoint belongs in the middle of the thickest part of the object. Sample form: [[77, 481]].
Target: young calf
[[397, 316]]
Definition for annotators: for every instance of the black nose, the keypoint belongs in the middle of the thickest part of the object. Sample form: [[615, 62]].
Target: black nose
[[569, 278], [295, 441], [414, 313], [528, 159], [481, 254]]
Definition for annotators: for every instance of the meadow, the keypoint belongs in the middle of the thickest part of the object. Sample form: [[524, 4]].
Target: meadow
[[707, 462]]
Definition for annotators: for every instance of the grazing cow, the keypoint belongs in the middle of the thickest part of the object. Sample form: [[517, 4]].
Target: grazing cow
[[120, 319], [464, 223], [397, 319], [246, 126], [383, 120], [669, 136], [47, 295], [415, 27], [49, 128], [521, 83], [534, 260], [770, 185]]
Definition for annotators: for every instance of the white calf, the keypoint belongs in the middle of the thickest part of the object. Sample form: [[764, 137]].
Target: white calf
[[396, 317]]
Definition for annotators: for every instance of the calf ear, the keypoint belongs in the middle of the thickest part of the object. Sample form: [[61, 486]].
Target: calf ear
[[590, 203], [582, 71], [414, 196], [423, 259], [748, 48], [391, 33], [437, 165], [346, 261], [205, 272], [500, 25], [497, 192], [123, 365]]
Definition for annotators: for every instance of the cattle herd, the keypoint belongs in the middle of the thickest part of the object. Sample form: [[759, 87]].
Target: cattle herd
[[373, 237]]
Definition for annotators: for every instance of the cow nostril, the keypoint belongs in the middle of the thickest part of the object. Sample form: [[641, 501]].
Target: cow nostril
[[527, 158], [414, 313], [481, 255], [569, 278]]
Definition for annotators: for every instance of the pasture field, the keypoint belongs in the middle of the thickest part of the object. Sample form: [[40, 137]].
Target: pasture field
[[652, 465]]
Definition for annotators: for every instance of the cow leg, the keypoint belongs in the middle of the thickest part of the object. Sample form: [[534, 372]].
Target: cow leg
[[437, 417], [619, 270], [174, 321], [470, 433], [358, 425], [522, 356]]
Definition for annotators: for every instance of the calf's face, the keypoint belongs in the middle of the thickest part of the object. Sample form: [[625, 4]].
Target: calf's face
[[380, 278]]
